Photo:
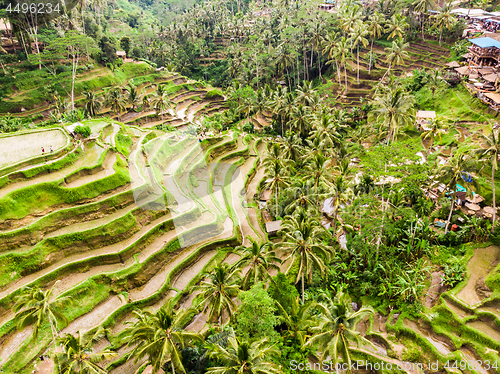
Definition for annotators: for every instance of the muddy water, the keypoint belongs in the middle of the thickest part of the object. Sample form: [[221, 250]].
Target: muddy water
[[481, 263]]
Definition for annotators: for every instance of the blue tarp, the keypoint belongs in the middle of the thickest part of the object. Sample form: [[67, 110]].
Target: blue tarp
[[485, 42]]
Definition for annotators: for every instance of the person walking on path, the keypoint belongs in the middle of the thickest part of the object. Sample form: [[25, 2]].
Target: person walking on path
[[43, 151], [51, 150]]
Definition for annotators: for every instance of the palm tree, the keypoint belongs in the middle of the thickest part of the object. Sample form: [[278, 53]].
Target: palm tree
[[305, 93], [396, 54], [35, 306], [445, 19], [301, 119], [451, 173], [218, 289], [93, 103], [396, 26], [259, 259], [317, 32], [436, 130], [161, 101], [393, 108], [278, 178], [160, 337], [336, 328], [298, 320], [115, 100], [133, 96], [339, 196], [358, 37], [243, 357], [341, 54], [375, 29], [423, 7], [434, 81], [77, 355], [302, 240], [330, 49], [491, 154], [316, 169]]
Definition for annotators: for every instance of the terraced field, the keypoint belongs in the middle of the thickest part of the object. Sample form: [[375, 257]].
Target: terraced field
[[121, 232], [422, 55]]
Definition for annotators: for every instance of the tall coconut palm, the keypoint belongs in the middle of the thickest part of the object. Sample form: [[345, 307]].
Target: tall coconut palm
[[305, 93], [340, 194], [393, 108], [292, 149], [451, 173], [35, 307], [161, 101], [423, 7], [115, 100], [301, 119], [396, 54], [316, 169], [218, 289], [302, 241], [375, 29], [358, 33], [259, 258], [133, 96], [93, 103], [336, 328], [396, 26], [434, 81], [159, 337], [445, 19], [278, 178], [342, 54], [243, 357], [78, 357], [330, 50], [491, 154]]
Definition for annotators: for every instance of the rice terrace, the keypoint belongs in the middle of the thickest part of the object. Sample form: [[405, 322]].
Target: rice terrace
[[247, 187]]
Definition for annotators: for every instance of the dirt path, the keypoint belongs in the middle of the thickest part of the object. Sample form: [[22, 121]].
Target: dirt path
[[481, 263]]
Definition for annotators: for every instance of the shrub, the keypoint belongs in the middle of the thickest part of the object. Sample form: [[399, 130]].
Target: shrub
[[248, 127], [282, 291], [454, 273], [214, 94], [83, 131], [255, 318]]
